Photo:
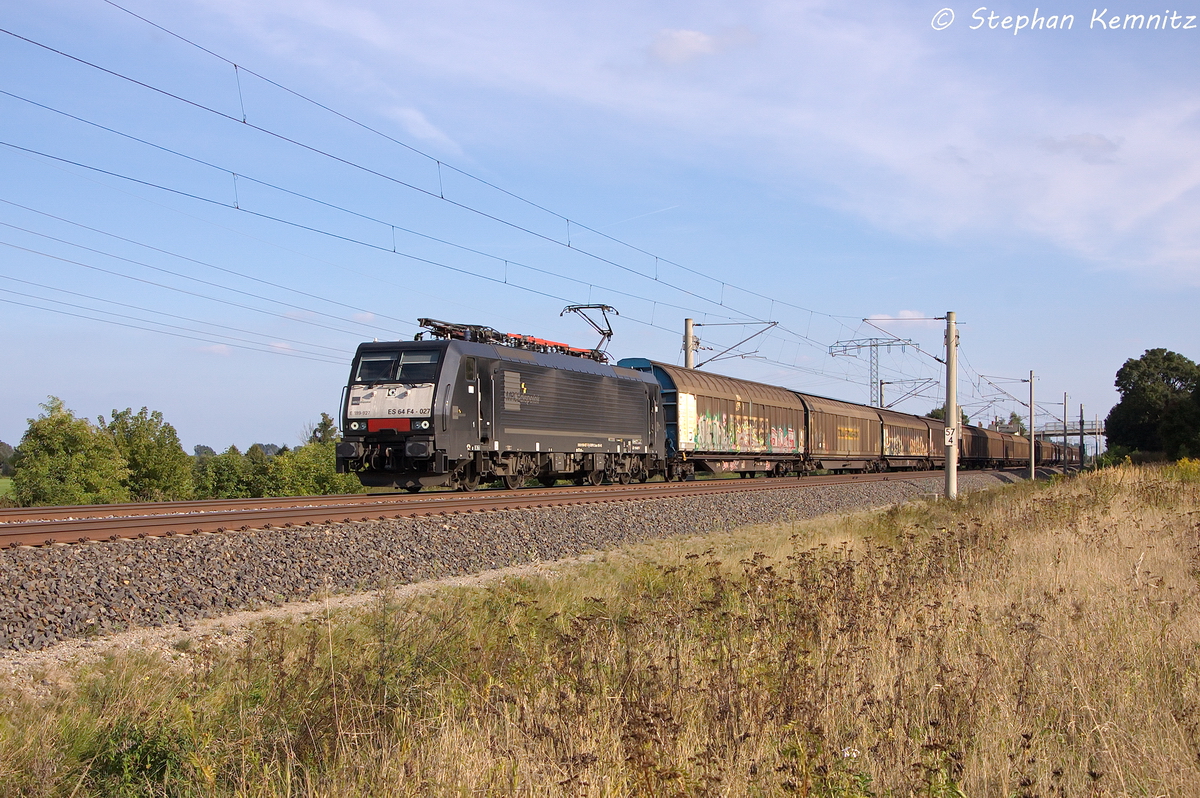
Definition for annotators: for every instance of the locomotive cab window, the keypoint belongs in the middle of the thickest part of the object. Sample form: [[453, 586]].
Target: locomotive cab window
[[375, 367], [416, 366]]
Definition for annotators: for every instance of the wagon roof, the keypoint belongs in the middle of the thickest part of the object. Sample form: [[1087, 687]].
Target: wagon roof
[[894, 419], [837, 407], [702, 383]]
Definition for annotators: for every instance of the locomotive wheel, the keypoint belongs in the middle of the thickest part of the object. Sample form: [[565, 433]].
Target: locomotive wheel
[[624, 479], [512, 481], [470, 481], [547, 481], [413, 489], [595, 477]]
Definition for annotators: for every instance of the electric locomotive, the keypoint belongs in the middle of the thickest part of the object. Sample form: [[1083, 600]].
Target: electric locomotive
[[474, 405]]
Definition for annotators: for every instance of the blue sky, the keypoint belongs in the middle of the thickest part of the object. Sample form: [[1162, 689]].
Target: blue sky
[[809, 163]]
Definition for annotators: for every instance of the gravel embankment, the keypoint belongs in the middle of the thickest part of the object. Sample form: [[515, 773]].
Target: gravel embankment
[[55, 593]]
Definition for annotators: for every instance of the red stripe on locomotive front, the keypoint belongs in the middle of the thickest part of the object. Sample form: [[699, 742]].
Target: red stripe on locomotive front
[[397, 424]]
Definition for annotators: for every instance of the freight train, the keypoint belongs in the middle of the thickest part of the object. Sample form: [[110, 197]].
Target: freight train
[[471, 405]]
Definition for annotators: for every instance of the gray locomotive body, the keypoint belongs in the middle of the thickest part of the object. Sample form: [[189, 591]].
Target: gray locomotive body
[[455, 413]]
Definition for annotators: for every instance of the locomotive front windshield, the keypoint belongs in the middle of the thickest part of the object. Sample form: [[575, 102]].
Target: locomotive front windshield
[[409, 366]]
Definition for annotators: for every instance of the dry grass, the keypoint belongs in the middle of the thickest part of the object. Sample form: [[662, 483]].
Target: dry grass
[[1037, 640]]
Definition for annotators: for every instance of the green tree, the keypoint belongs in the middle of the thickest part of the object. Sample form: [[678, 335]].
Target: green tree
[[159, 469], [1015, 420], [6, 454], [65, 460], [258, 471], [324, 432], [1156, 410], [940, 414], [310, 470], [225, 476], [1180, 428]]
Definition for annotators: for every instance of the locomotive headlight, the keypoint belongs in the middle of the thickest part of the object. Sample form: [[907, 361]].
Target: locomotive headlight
[[422, 424], [358, 426]]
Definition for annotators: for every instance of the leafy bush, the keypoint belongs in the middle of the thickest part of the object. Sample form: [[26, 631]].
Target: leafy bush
[[159, 469], [65, 460]]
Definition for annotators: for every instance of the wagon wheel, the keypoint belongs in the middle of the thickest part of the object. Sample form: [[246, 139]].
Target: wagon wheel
[[512, 481], [624, 478], [470, 480]]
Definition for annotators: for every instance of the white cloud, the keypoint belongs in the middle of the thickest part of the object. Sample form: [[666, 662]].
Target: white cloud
[[216, 349], [864, 106], [1091, 147], [680, 46], [420, 128], [910, 318]]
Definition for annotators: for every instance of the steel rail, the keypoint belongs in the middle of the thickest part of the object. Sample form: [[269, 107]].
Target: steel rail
[[141, 521], [10, 515]]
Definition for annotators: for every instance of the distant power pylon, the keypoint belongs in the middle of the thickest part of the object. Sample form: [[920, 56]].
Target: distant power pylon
[[873, 344]]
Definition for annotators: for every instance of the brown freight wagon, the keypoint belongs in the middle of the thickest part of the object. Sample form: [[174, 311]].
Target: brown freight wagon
[[937, 441], [980, 447], [723, 424], [843, 436], [1016, 449], [906, 443]]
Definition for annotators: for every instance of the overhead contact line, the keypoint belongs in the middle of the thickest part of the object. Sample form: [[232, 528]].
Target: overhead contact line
[[417, 151], [270, 351], [426, 192]]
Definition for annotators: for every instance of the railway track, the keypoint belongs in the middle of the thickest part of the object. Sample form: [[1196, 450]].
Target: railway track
[[46, 526]]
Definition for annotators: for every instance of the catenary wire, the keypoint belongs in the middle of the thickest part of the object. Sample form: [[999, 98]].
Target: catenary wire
[[217, 268], [175, 334], [169, 287], [319, 231], [453, 168], [367, 217], [366, 169], [316, 150], [189, 277], [277, 338]]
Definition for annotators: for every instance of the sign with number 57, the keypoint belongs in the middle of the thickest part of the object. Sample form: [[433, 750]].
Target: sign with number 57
[[949, 436]]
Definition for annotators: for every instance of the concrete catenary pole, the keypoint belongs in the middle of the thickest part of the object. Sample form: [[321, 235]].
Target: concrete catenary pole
[[1081, 449], [689, 345], [1032, 437], [1066, 415], [952, 417]]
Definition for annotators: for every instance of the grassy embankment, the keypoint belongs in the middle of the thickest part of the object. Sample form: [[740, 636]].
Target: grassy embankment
[[1037, 640], [5, 486]]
